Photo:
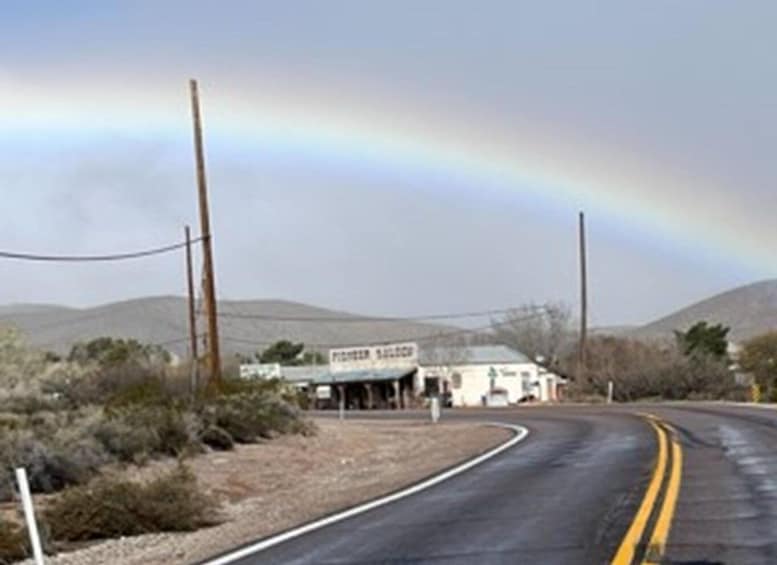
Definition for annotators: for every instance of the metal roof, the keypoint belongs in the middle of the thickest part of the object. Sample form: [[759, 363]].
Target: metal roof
[[303, 373], [364, 375], [471, 355]]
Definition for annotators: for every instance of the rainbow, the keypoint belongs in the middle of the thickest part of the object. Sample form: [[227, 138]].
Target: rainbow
[[542, 165]]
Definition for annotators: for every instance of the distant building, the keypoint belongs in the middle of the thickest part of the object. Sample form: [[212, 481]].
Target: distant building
[[400, 375], [485, 375], [260, 371]]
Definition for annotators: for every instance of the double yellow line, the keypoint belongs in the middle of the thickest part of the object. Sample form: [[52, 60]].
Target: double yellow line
[[656, 544]]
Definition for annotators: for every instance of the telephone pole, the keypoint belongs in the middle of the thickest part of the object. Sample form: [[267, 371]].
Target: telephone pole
[[214, 358], [195, 358], [583, 301]]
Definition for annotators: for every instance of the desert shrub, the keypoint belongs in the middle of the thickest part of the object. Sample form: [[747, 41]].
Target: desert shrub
[[135, 432], [10, 421], [14, 544], [109, 370], [30, 404], [249, 416], [217, 438], [267, 387], [114, 384], [643, 371], [21, 368], [141, 389], [231, 386], [52, 462], [127, 443], [109, 507], [108, 351]]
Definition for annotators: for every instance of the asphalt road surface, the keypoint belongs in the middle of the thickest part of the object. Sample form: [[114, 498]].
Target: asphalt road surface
[[639, 484]]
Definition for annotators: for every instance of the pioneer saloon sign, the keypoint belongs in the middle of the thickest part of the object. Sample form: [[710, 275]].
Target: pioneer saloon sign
[[394, 355]]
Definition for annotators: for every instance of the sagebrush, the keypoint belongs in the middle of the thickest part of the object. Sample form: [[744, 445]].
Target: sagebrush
[[110, 507], [14, 544]]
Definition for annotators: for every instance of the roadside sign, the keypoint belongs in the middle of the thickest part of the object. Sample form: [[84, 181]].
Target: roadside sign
[[391, 355], [260, 371]]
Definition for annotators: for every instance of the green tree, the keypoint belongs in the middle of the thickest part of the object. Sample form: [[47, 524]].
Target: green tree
[[759, 357], [313, 358], [284, 352], [703, 339], [288, 353]]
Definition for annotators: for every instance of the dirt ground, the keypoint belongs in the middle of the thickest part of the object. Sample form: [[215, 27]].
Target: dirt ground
[[273, 486]]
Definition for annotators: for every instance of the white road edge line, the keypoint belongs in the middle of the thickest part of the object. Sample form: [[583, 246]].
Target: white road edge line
[[520, 434]]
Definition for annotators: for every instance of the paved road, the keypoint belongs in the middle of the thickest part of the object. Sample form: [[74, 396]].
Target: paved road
[[574, 490]]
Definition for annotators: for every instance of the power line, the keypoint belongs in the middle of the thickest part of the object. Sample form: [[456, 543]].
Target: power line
[[95, 258], [170, 342], [50, 344], [421, 338], [366, 319]]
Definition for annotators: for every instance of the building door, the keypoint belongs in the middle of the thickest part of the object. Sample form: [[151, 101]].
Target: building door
[[431, 387]]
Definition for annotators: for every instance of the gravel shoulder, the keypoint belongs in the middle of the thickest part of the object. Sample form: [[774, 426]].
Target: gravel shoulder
[[271, 487]]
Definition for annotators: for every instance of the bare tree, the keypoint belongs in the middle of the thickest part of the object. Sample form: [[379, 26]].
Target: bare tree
[[445, 351], [543, 332]]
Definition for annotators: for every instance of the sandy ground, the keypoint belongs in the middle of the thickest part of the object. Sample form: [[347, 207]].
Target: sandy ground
[[291, 480]]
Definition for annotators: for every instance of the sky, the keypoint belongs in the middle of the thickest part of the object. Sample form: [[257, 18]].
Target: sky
[[393, 158]]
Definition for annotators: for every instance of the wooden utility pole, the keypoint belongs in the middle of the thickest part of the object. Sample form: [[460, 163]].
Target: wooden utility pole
[[214, 357], [583, 302], [195, 358]]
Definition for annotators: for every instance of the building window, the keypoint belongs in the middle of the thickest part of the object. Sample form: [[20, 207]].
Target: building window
[[456, 380]]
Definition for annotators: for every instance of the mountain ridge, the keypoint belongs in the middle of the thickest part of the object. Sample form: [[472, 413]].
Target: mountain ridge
[[245, 325], [749, 310]]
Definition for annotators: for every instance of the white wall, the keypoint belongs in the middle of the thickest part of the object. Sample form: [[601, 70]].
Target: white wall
[[516, 378]]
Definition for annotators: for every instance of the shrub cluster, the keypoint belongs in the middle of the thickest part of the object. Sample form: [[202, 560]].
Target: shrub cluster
[[249, 416], [642, 370], [14, 544], [56, 449], [109, 507], [117, 401], [134, 434], [65, 447]]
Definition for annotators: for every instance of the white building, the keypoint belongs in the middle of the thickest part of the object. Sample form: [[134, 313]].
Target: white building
[[402, 375], [493, 375]]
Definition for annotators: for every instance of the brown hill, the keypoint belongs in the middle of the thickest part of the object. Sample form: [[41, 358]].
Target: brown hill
[[246, 326], [748, 310]]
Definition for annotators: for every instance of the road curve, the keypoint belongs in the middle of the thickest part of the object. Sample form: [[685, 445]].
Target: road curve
[[727, 509], [572, 492]]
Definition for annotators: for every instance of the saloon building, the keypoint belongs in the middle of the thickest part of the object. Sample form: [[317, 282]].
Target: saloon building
[[402, 375]]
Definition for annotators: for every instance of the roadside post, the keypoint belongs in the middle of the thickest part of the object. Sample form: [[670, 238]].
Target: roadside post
[[29, 515], [609, 392], [434, 406]]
